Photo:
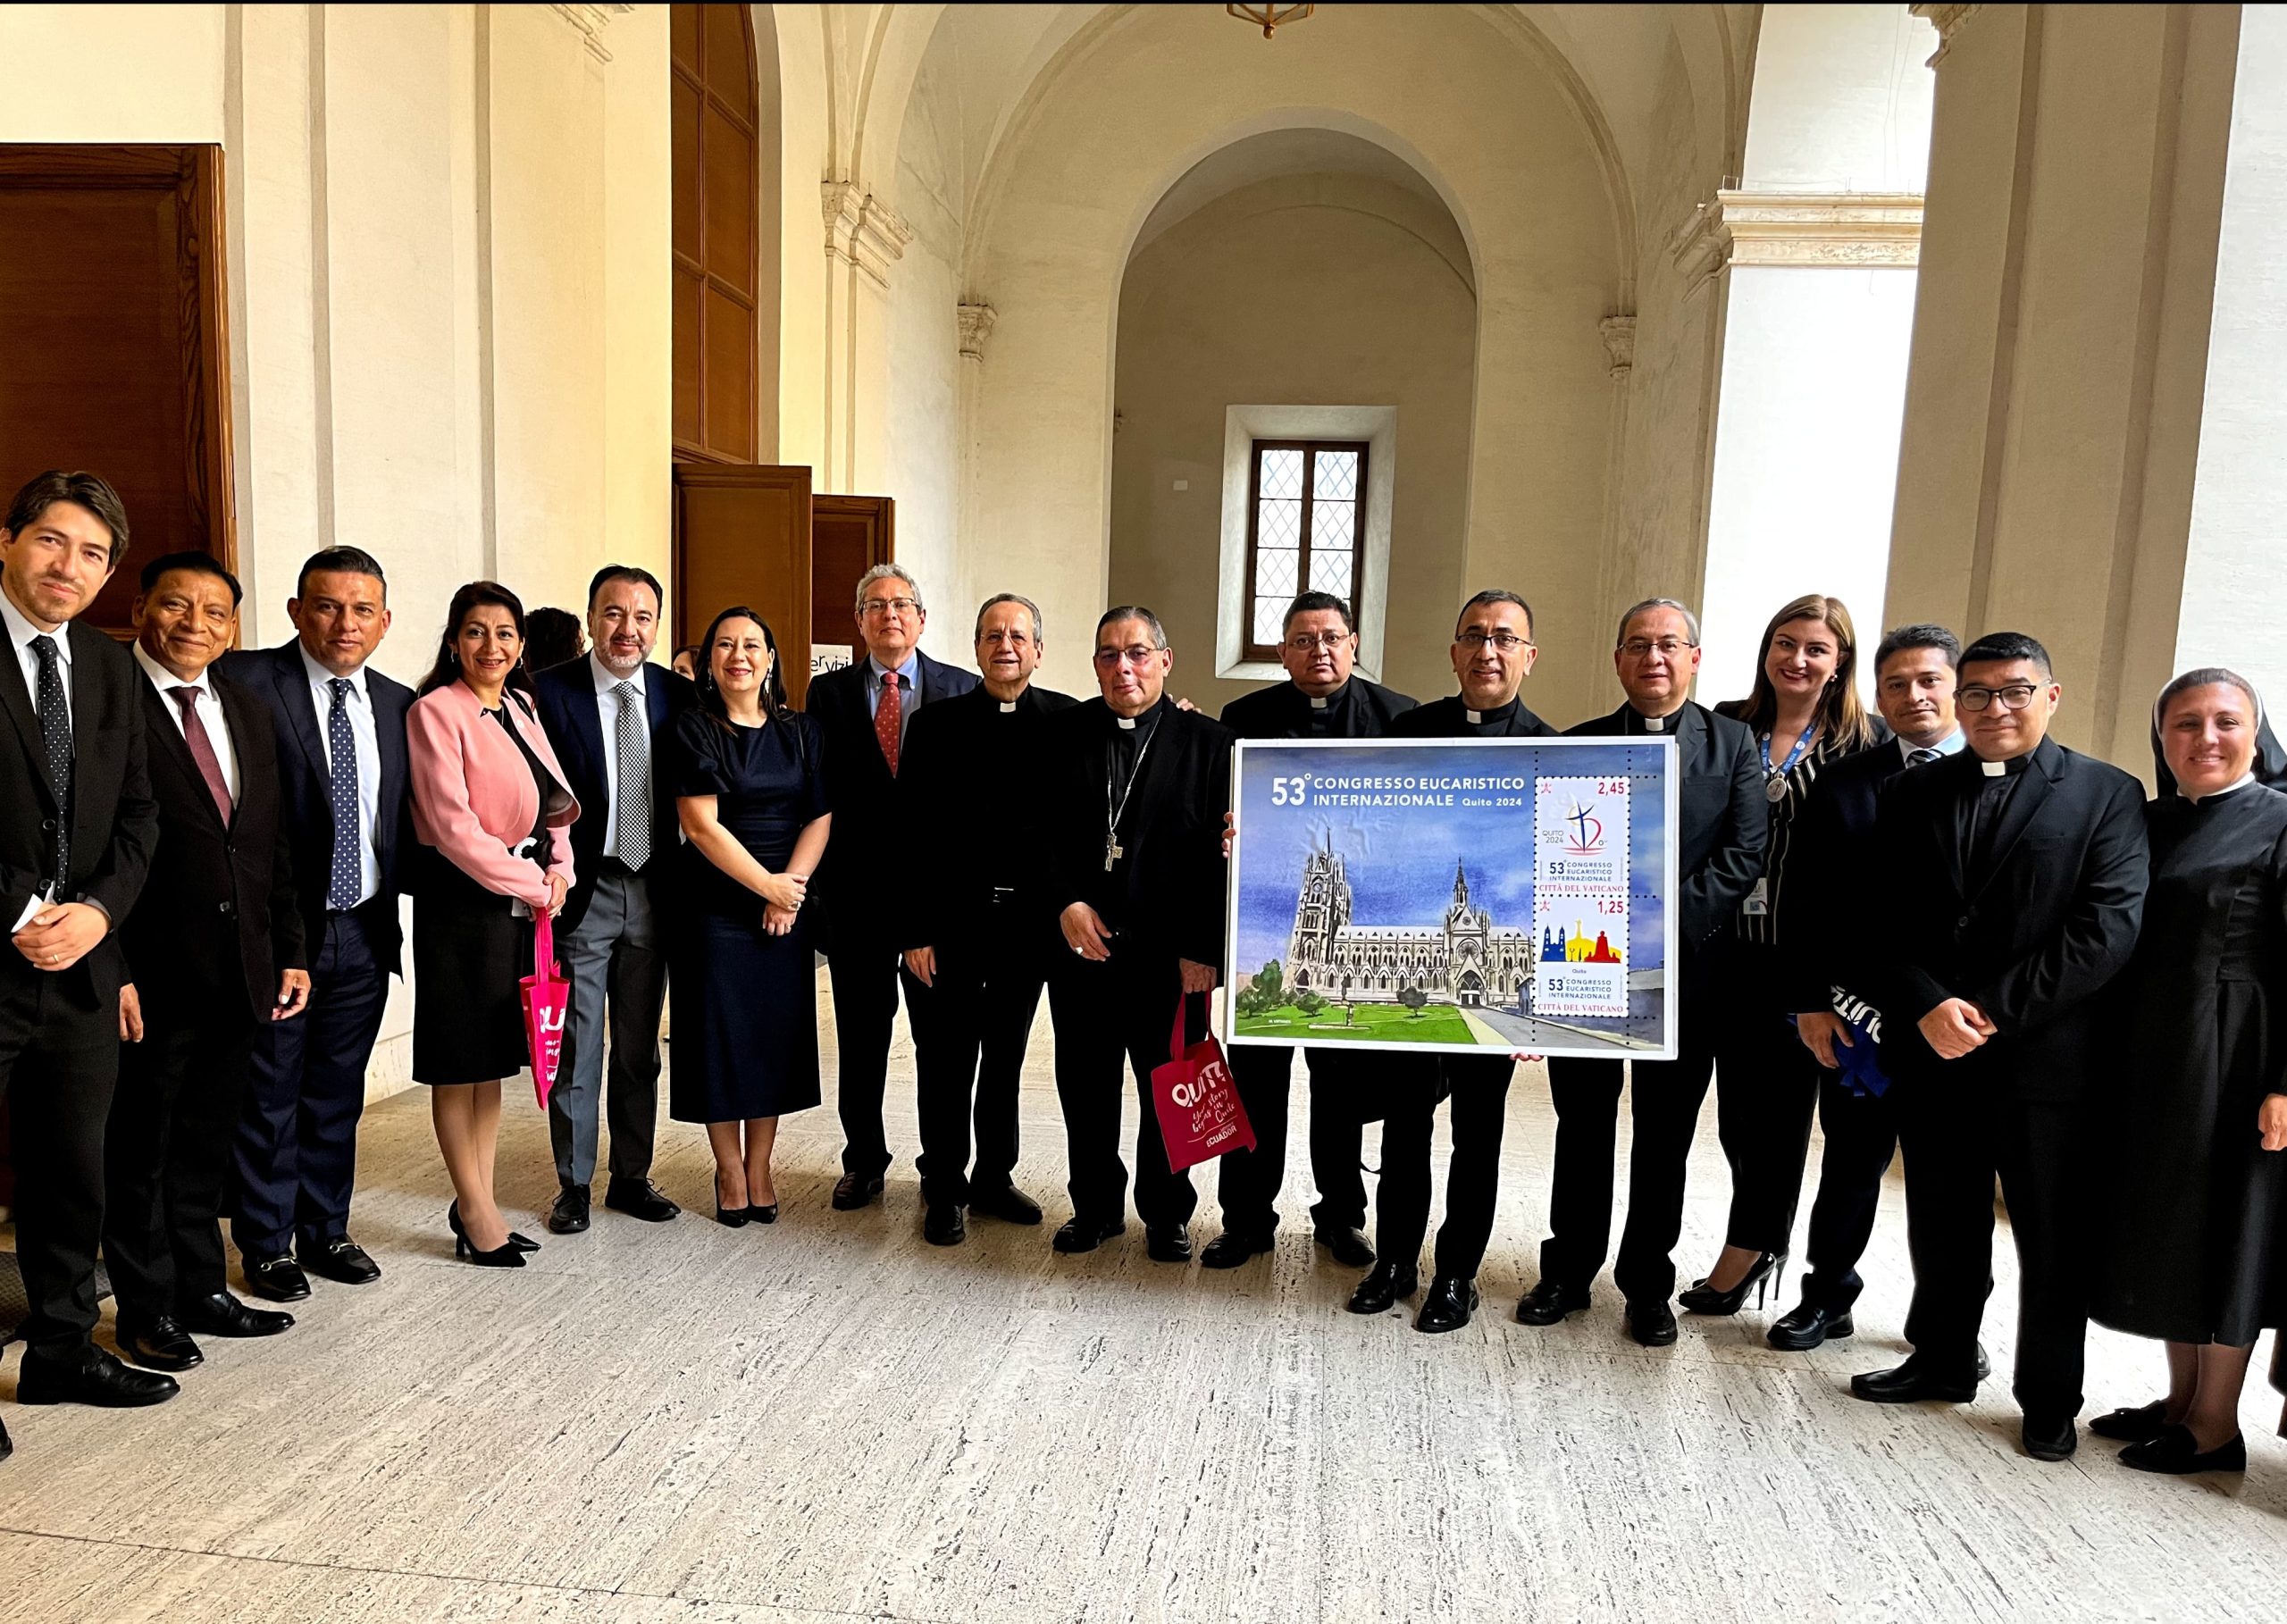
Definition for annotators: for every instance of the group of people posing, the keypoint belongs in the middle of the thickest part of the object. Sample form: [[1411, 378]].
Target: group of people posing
[[1935, 927]]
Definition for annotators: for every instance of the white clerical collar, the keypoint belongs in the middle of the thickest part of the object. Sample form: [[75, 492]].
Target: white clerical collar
[[1655, 725], [1127, 723], [1318, 701], [606, 680], [2245, 779], [1475, 717], [1994, 769], [1008, 708]]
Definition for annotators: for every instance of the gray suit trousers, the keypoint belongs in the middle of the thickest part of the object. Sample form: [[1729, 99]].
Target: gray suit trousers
[[617, 965]]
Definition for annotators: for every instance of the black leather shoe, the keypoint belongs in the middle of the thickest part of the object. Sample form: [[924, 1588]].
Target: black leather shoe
[[1912, 1382], [1009, 1204], [1345, 1246], [161, 1345], [340, 1260], [941, 1225], [1652, 1323], [2174, 1451], [1167, 1242], [570, 1215], [2053, 1437], [1448, 1306], [1232, 1248], [98, 1379], [639, 1198], [278, 1279], [1382, 1287], [2134, 1425], [223, 1315], [852, 1191], [1548, 1303], [1807, 1325], [1085, 1234]]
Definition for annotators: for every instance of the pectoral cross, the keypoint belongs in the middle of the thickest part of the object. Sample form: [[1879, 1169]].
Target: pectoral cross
[[1113, 851]]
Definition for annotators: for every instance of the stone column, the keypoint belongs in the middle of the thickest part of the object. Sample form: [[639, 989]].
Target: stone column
[[864, 238]]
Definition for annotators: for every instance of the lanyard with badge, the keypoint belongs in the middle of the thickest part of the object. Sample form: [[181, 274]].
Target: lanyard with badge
[[1757, 901]]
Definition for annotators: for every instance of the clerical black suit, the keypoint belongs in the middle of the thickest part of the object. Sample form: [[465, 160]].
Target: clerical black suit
[[1718, 853], [1249, 1180], [90, 836], [2022, 891], [1162, 897], [1412, 1086], [296, 1146], [980, 903], [214, 930], [861, 922]]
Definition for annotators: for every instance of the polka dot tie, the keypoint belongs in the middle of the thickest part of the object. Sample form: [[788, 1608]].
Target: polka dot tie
[[346, 880], [55, 730]]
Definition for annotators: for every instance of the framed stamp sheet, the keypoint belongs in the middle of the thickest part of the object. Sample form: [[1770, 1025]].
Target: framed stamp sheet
[[1457, 895]]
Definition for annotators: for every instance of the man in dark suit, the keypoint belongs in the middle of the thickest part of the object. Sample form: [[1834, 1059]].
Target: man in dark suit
[[977, 941], [863, 712], [1134, 794], [215, 955], [2015, 876], [1722, 823], [1836, 864], [605, 712], [1323, 697], [77, 826], [338, 730]]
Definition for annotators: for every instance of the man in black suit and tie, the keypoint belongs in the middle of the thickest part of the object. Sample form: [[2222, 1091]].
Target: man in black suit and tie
[[2015, 887], [214, 954], [77, 827], [1723, 824], [1836, 863], [338, 733], [605, 712], [863, 712], [1323, 697]]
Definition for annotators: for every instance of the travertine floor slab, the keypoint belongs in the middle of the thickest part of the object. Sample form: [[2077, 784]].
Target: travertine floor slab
[[828, 1420]]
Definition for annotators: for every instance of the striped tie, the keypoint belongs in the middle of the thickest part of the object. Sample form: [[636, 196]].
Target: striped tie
[[1921, 758]]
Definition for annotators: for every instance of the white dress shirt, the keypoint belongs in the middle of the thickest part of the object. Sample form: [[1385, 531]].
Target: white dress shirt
[[367, 742], [608, 713], [1952, 744], [210, 713], [21, 632]]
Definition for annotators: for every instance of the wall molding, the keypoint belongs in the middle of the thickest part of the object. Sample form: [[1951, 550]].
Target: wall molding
[[977, 321], [1950, 20], [1842, 230], [591, 21], [1618, 334], [861, 230]]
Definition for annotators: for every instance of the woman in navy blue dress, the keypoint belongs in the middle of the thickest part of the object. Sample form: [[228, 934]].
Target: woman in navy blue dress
[[748, 778]]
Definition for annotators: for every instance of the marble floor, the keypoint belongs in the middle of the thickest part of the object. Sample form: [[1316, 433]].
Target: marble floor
[[827, 1420]]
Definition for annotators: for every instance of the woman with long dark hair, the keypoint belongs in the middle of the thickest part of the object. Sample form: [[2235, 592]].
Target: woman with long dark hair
[[493, 815], [2195, 1248], [1805, 712], [747, 775]]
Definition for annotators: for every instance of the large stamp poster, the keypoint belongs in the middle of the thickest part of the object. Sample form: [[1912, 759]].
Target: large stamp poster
[[1454, 895]]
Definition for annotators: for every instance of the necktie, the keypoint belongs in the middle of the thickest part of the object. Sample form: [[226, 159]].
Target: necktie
[[345, 879], [1921, 757], [887, 714], [56, 732], [202, 750], [632, 752]]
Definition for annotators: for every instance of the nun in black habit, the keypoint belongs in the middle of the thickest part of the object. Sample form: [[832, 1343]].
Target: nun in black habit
[[2196, 1248]]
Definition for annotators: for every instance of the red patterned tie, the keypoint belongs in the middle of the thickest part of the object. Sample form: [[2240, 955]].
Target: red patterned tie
[[887, 714], [202, 750]]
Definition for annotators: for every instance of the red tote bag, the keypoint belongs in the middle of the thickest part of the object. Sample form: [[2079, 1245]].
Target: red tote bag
[[1200, 1114], [547, 997]]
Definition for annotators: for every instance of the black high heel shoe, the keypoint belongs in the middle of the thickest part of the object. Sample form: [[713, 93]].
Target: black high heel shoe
[[517, 1241], [507, 1255], [764, 1215], [1769, 1269]]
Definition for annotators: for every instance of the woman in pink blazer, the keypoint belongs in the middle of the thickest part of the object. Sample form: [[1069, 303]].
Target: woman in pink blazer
[[493, 815]]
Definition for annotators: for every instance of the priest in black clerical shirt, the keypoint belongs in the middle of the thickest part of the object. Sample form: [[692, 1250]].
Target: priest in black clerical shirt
[[977, 945], [1322, 699], [1723, 822], [2014, 879], [1134, 794], [1492, 653]]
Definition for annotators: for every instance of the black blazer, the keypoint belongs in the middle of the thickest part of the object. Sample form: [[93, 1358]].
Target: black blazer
[[1833, 872], [859, 790], [1165, 896], [2033, 944], [216, 922], [1725, 819], [1282, 711], [279, 679], [115, 824], [568, 711]]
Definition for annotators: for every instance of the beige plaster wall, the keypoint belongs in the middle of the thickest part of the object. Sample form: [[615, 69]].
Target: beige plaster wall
[[1304, 290]]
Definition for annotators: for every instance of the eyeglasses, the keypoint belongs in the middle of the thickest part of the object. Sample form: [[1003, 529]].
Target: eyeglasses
[[1135, 655], [1508, 643], [2016, 696], [1303, 642], [1006, 640], [1637, 648], [891, 605]]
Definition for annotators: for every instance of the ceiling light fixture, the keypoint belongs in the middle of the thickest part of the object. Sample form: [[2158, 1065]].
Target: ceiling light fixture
[[1269, 17]]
